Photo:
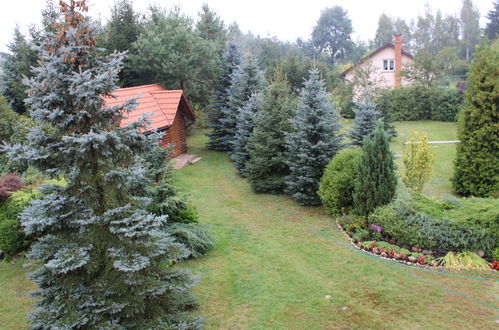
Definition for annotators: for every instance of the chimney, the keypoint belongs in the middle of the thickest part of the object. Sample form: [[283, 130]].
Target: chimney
[[398, 59]]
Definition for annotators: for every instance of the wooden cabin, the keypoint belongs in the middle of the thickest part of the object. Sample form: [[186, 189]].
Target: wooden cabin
[[169, 111]]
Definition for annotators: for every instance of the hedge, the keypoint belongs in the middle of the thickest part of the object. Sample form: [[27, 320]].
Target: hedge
[[420, 103]]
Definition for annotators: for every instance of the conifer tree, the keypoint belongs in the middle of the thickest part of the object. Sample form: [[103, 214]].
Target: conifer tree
[[231, 60], [267, 166], [314, 140], [17, 64], [244, 128], [476, 165], [123, 27], [247, 79], [98, 247], [364, 123], [376, 181]]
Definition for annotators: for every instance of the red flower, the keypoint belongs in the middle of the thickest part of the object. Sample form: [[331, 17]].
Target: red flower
[[495, 265], [421, 260]]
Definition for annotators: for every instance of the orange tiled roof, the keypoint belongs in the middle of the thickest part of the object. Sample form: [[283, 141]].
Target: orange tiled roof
[[154, 99]]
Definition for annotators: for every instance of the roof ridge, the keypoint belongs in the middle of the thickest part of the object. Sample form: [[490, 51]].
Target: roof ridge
[[168, 91]]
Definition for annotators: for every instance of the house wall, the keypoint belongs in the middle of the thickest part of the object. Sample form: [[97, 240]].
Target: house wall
[[176, 135], [384, 78]]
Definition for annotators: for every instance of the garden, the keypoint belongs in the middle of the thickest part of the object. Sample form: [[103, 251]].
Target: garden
[[295, 217]]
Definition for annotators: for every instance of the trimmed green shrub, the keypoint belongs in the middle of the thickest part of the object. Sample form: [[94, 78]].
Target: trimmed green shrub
[[420, 103], [338, 182], [476, 164]]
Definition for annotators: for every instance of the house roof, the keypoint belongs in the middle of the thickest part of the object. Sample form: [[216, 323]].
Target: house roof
[[161, 104], [371, 54]]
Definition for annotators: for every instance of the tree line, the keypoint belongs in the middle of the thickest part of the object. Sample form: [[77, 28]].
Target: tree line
[[169, 47]]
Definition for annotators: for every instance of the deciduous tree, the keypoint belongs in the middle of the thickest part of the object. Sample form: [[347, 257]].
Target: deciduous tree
[[418, 161], [332, 33]]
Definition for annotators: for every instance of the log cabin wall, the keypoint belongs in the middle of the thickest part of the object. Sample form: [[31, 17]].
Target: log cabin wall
[[176, 135]]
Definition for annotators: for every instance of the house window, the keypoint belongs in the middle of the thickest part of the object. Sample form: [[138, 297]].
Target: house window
[[388, 65]]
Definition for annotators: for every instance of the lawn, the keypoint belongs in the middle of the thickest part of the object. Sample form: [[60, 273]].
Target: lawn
[[443, 168], [276, 265]]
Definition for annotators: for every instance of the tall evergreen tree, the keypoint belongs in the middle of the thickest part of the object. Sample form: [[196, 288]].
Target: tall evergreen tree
[[123, 28], [314, 140], [210, 26], [267, 166], [17, 64], [231, 59], [244, 128], [376, 181], [476, 165], [98, 247], [492, 27], [247, 79], [364, 123], [170, 52], [121, 31]]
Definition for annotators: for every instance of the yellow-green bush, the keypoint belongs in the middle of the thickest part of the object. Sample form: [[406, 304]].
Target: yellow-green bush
[[337, 183]]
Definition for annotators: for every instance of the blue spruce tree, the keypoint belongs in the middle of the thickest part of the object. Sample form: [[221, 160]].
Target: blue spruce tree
[[244, 128], [231, 60], [364, 123], [99, 249], [246, 80], [314, 141]]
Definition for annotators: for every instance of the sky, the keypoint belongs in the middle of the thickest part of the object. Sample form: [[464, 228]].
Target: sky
[[285, 19]]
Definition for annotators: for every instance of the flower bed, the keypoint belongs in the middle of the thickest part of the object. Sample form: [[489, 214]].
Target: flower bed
[[412, 256]]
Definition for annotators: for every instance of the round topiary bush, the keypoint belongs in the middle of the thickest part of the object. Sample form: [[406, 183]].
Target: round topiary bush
[[338, 181]]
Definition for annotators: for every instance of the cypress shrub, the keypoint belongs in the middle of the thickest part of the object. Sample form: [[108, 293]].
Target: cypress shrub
[[477, 160], [376, 181]]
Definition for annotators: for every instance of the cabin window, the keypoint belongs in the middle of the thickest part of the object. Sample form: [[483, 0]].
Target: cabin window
[[388, 65]]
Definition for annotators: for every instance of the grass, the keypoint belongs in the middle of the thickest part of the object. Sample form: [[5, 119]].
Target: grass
[[274, 267], [14, 301], [443, 169]]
